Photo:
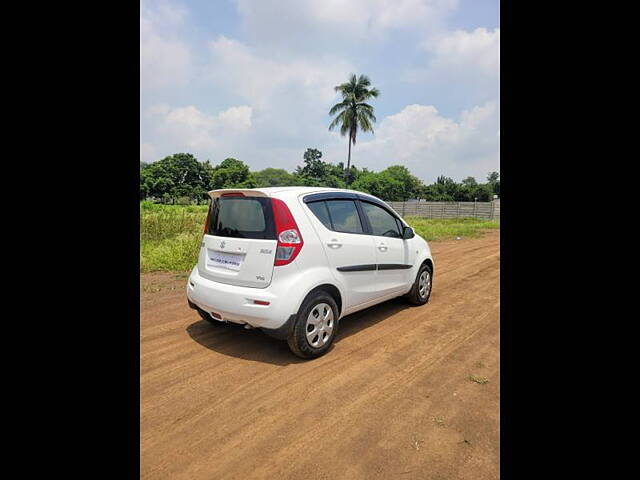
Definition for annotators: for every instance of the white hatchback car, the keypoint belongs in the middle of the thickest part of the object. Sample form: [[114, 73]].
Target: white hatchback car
[[292, 261]]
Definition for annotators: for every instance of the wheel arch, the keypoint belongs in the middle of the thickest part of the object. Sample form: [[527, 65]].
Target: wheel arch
[[332, 290], [428, 261]]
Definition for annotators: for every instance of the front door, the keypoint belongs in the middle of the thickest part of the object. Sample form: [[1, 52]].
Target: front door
[[392, 253]]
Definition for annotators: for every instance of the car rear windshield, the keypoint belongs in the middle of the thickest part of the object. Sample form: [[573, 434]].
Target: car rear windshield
[[242, 217]]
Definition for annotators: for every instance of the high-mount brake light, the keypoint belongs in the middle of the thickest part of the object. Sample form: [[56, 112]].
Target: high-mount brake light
[[233, 194], [290, 240]]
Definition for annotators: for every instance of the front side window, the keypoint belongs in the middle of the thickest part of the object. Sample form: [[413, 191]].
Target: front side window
[[382, 222]]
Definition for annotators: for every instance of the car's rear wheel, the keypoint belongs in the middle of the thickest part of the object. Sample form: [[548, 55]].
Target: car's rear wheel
[[421, 290], [315, 326]]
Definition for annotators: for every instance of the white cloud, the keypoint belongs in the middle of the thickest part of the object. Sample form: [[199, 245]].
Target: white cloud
[[259, 79], [477, 51], [460, 65], [164, 13], [189, 128], [238, 118], [147, 153], [430, 145], [165, 59], [292, 24]]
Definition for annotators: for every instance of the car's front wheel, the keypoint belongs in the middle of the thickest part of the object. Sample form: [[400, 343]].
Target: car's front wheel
[[421, 290], [315, 326]]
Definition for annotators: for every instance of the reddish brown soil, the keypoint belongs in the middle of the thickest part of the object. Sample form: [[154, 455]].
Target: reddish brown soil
[[394, 397]]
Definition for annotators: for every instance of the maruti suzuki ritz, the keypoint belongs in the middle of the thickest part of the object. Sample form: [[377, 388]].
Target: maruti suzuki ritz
[[292, 261]]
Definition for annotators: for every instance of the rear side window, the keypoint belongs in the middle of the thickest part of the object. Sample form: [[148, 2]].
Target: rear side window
[[242, 217], [344, 216], [382, 222], [319, 209]]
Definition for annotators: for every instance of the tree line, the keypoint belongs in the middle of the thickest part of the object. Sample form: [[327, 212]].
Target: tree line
[[181, 178]]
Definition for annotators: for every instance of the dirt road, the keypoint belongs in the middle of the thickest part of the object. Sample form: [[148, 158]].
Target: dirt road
[[406, 392]]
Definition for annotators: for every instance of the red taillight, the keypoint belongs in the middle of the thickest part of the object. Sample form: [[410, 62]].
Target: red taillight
[[289, 239]]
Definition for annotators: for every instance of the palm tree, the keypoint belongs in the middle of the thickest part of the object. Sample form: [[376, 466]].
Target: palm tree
[[354, 112]]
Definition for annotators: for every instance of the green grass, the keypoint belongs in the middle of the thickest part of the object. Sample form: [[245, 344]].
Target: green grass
[[170, 235], [433, 229], [480, 380], [440, 421]]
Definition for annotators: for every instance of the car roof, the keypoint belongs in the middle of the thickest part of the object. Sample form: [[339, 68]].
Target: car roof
[[271, 190], [301, 189], [289, 191]]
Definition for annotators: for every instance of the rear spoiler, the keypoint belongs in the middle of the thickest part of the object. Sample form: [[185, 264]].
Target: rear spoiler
[[247, 192]]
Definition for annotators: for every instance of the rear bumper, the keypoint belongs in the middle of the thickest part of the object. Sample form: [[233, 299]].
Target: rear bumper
[[236, 304], [281, 333]]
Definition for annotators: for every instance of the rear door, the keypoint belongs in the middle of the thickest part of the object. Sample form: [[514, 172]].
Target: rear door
[[392, 252], [349, 249], [239, 245]]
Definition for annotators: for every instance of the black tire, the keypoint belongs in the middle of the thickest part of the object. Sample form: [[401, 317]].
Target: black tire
[[414, 296], [298, 342]]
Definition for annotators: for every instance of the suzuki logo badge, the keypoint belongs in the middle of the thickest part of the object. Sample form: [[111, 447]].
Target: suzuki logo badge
[[222, 244]]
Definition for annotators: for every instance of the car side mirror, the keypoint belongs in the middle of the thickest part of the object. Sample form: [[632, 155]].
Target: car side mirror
[[408, 233]]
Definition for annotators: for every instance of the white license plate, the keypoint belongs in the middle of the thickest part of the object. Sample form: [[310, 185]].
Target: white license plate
[[231, 261]]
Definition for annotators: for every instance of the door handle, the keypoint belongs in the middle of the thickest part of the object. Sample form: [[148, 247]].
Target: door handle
[[382, 248], [334, 244]]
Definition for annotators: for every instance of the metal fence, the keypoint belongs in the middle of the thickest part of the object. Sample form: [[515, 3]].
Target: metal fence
[[485, 210]]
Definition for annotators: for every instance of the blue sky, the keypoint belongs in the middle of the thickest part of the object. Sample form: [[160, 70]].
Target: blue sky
[[253, 80]]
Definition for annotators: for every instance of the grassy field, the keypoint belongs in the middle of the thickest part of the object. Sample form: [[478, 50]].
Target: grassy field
[[170, 235], [433, 229]]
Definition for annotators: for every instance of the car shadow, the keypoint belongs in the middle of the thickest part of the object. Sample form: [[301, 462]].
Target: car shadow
[[254, 345]]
